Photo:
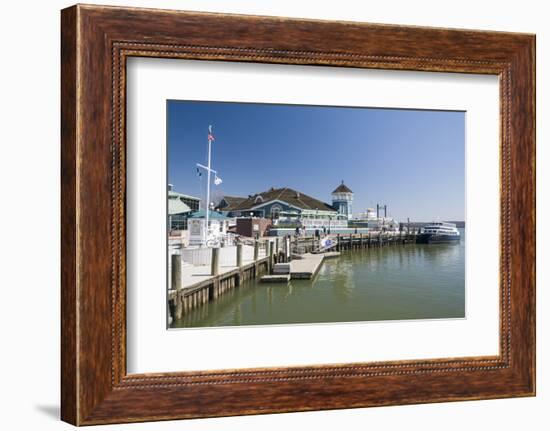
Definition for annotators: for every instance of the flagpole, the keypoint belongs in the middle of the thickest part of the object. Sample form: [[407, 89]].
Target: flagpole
[[208, 184]]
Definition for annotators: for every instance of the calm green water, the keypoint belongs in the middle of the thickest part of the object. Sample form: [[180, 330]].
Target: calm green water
[[390, 283]]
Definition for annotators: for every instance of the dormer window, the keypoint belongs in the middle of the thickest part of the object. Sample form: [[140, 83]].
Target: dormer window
[[259, 199]]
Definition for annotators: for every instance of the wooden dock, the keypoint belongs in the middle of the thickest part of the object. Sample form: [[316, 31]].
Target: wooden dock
[[340, 242], [307, 267], [195, 285], [275, 278], [202, 287]]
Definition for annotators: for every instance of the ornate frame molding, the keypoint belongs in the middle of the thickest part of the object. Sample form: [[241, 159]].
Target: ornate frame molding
[[96, 41]]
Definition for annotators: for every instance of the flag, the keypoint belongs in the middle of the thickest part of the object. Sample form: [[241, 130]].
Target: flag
[[217, 180], [199, 173], [210, 135]]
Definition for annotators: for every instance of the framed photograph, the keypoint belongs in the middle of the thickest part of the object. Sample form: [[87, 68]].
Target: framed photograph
[[263, 214]]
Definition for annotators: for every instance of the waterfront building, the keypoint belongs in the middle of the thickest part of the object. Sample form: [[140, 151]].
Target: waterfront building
[[180, 206], [252, 226], [384, 224], [282, 210], [342, 199], [216, 232], [191, 201], [372, 220], [368, 214], [228, 204], [290, 208]]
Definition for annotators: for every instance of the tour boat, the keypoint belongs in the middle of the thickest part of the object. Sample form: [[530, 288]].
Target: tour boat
[[438, 232]]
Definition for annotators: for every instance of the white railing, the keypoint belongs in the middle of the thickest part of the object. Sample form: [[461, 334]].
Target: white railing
[[320, 223], [227, 257]]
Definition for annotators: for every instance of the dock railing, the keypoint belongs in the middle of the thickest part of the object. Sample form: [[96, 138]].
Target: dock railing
[[312, 244]]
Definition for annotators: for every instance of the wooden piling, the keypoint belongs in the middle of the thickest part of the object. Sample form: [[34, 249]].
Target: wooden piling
[[239, 255], [183, 304], [270, 254], [178, 309], [176, 272], [256, 250], [215, 264], [285, 248]]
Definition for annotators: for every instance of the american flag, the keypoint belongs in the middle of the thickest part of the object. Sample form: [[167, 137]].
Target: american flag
[[210, 135]]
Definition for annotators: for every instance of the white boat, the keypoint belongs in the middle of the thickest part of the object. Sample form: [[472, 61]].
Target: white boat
[[438, 232]]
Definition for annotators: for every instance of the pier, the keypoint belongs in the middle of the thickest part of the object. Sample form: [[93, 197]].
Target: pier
[[220, 270], [306, 267], [352, 242], [375, 239], [226, 268]]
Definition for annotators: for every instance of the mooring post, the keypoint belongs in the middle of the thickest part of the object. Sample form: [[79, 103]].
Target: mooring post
[[338, 242], [171, 305], [350, 241], [176, 272], [360, 240], [256, 250], [270, 247], [239, 255], [178, 306], [215, 261], [285, 248]]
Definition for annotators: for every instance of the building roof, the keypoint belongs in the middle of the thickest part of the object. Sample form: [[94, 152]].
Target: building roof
[[176, 206], [288, 195], [342, 188], [212, 215], [172, 193], [232, 202]]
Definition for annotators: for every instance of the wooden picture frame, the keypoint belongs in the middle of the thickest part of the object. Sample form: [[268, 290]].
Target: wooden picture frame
[[95, 43]]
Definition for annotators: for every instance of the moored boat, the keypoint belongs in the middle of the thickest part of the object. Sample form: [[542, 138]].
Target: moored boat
[[438, 232]]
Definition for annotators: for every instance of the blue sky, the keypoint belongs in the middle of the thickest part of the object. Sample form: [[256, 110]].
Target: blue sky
[[411, 160]]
